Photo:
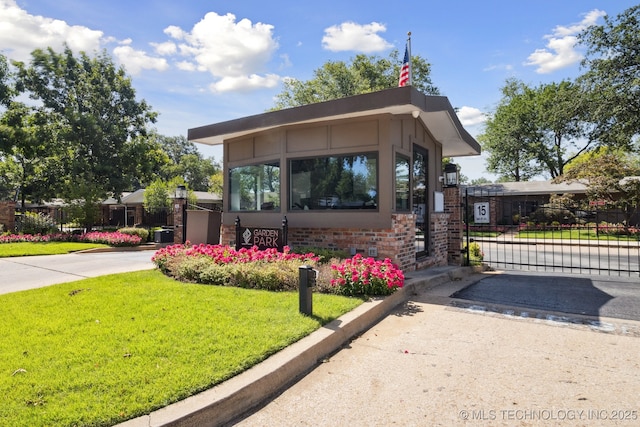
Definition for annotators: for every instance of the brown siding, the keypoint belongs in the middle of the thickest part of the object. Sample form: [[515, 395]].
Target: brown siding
[[307, 139]]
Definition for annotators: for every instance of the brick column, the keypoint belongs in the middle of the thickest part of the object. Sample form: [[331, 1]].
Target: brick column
[[8, 216], [179, 214], [453, 206]]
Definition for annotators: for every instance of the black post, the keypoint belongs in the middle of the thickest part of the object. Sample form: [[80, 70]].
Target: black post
[[307, 279], [237, 223], [285, 231], [466, 222], [184, 222]]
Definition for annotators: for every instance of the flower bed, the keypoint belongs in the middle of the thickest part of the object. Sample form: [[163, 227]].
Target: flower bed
[[108, 238], [366, 276], [277, 271]]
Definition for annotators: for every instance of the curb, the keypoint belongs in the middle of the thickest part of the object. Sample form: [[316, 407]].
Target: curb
[[229, 401]]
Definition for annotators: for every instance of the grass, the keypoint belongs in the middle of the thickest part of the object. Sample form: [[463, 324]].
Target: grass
[[579, 234], [44, 248], [103, 350], [484, 233]]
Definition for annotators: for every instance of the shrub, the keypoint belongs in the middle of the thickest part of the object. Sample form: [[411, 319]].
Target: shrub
[[223, 265], [111, 239], [475, 253], [324, 254], [36, 223], [547, 214], [366, 276], [143, 233], [275, 271]]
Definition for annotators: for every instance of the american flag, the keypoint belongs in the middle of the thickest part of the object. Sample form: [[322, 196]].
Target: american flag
[[405, 69]]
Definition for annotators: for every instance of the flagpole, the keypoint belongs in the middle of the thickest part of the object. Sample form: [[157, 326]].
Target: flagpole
[[410, 67]]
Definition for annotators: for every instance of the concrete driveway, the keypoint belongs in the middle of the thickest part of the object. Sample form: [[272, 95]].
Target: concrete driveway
[[21, 273], [430, 363]]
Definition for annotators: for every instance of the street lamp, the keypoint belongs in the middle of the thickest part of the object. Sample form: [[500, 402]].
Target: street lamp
[[181, 192], [451, 178]]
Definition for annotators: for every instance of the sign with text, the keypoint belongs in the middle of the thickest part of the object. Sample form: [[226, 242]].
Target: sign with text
[[263, 238], [481, 213]]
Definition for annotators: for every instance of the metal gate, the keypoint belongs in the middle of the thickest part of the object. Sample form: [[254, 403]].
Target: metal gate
[[526, 232]]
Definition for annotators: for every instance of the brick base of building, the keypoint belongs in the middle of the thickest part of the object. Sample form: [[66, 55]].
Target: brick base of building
[[396, 243]]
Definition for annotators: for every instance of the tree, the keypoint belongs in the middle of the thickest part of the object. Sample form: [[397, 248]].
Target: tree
[[31, 160], [613, 77], [364, 74], [612, 177], [537, 130], [100, 125], [510, 132], [158, 195], [563, 123], [5, 87], [480, 181], [185, 161]]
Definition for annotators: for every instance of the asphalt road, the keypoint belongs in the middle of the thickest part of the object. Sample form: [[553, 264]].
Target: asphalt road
[[600, 296], [21, 273]]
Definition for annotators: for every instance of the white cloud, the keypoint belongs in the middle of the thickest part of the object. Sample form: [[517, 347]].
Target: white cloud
[[234, 52], [135, 61], [470, 116], [21, 33], [245, 83], [186, 66], [165, 49], [355, 37], [560, 51]]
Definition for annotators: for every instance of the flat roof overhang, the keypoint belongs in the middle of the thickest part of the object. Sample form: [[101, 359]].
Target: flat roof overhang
[[435, 112]]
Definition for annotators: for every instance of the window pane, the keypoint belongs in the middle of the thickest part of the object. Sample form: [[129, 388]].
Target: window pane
[[342, 182], [255, 188], [402, 183]]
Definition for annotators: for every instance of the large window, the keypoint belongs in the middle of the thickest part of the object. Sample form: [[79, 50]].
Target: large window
[[335, 182], [255, 188]]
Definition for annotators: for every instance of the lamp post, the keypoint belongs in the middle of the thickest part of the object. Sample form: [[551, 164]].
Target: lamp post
[[179, 214], [451, 177], [453, 206]]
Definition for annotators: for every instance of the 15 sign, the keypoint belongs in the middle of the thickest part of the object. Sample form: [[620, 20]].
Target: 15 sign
[[481, 213]]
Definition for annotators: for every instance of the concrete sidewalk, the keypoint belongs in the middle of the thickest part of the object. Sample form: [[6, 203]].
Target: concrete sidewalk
[[429, 363]]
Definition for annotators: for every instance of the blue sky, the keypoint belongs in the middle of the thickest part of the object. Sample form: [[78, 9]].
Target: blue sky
[[201, 62]]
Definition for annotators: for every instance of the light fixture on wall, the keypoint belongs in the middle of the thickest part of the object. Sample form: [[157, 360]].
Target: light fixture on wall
[[451, 178], [181, 192], [415, 114]]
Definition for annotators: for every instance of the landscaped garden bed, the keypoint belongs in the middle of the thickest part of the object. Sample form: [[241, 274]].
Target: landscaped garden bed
[[13, 245], [277, 271]]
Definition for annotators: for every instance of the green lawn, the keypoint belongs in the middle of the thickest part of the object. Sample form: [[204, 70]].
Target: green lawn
[[103, 350], [577, 234], [45, 248]]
